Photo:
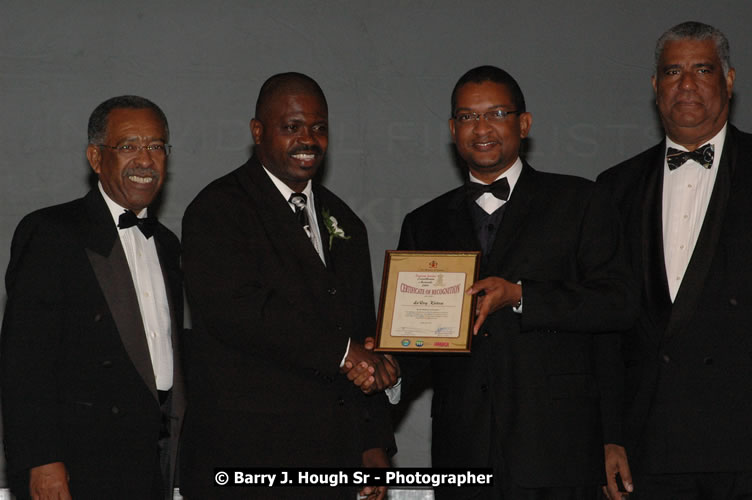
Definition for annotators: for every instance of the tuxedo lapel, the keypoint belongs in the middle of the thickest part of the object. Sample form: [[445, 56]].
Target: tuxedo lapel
[[459, 222], [171, 280], [110, 266], [650, 220], [516, 212], [174, 292], [688, 296]]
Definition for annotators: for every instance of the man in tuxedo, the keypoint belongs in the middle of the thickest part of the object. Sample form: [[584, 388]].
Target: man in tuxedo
[[91, 387], [527, 401], [686, 209], [278, 279]]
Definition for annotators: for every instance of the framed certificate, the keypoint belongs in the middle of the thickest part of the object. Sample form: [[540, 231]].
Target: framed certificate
[[423, 305]]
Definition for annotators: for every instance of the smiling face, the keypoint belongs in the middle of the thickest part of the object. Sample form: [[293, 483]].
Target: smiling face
[[691, 91], [488, 147], [130, 180], [291, 137]]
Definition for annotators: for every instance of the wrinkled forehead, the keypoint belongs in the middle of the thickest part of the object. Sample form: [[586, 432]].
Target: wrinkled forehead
[[138, 123], [283, 104], [689, 51]]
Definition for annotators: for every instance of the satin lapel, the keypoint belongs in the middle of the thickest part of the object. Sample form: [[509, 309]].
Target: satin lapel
[[516, 212], [174, 292], [111, 269], [688, 297], [281, 226], [171, 279], [657, 296], [459, 222]]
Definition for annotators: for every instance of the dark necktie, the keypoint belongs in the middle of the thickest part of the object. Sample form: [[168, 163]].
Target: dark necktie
[[703, 156], [499, 188], [299, 201], [147, 225]]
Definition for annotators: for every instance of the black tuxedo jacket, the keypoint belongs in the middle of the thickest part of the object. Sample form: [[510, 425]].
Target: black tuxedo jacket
[[689, 364], [77, 380], [533, 381], [271, 325]]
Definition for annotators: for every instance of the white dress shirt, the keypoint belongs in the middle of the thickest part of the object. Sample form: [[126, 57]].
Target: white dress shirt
[[143, 262], [686, 195], [487, 201]]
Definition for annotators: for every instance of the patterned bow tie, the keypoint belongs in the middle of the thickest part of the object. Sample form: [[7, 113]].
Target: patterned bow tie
[[703, 156], [499, 188], [147, 225]]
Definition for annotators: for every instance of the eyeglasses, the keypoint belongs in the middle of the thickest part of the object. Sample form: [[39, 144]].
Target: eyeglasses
[[130, 149], [495, 116]]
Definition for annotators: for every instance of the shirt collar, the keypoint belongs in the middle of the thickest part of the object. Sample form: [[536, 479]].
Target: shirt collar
[[116, 210], [512, 174], [285, 190]]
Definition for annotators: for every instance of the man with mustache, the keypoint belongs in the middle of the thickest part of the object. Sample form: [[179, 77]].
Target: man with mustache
[[686, 208], [92, 393], [278, 279], [533, 397]]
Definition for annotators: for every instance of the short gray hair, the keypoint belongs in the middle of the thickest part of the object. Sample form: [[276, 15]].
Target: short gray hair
[[693, 30], [98, 120]]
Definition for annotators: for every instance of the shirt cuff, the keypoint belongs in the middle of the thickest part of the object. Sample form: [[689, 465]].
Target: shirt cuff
[[394, 393], [347, 351], [518, 307]]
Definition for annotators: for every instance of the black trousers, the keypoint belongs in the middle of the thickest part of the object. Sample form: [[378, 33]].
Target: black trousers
[[695, 486], [504, 488]]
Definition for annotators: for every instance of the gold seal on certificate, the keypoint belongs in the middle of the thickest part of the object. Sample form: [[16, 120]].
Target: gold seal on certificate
[[423, 305]]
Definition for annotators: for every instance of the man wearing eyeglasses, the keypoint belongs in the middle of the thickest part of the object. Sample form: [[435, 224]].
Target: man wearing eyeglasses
[[92, 393], [527, 401]]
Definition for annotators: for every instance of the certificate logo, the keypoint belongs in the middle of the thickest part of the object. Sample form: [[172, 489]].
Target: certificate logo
[[405, 342], [433, 264], [418, 343], [441, 344]]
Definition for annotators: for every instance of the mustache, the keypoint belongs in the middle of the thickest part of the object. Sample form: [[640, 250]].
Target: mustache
[[141, 172], [306, 149]]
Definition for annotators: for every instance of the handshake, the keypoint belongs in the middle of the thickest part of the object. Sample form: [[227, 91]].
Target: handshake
[[368, 370]]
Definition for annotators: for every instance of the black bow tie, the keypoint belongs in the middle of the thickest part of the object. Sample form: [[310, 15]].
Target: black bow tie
[[147, 225], [499, 188], [703, 156]]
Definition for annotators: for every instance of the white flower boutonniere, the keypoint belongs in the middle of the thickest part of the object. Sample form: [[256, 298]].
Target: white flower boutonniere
[[333, 228]]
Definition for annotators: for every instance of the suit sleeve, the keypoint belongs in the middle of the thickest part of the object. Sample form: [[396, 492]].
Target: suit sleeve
[[611, 368], [31, 335], [602, 298]]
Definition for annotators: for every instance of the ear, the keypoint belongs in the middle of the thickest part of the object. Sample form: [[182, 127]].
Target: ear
[[94, 155], [654, 81], [451, 130], [526, 121], [257, 131], [730, 76]]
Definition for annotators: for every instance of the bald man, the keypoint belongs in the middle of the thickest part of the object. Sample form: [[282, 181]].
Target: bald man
[[280, 302]]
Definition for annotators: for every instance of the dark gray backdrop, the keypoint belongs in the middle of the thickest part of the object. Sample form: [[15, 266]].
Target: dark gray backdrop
[[386, 67]]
